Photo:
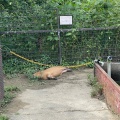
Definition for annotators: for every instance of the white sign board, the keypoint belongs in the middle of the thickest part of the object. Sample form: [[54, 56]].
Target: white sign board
[[65, 20]]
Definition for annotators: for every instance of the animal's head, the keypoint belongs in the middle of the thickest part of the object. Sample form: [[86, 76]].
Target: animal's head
[[37, 74]]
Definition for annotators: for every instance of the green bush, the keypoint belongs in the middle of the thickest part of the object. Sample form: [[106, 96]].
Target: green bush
[[9, 94], [97, 89], [3, 117]]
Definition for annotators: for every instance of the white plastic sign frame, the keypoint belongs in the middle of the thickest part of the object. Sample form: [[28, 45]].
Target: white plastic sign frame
[[66, 20]]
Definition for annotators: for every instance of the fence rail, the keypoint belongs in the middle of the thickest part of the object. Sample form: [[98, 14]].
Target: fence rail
[[58, 30]]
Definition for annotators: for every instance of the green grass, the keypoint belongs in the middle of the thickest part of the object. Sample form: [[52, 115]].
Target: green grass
[[3, 117], [9, 94], [97, 89]]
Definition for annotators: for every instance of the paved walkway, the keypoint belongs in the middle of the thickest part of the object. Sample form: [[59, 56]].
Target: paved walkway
[[68, 100]]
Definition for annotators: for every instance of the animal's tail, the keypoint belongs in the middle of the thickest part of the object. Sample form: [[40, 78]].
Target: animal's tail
[[66, 70], [69, 70]]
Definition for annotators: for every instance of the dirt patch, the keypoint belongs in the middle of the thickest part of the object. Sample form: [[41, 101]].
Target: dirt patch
[[22, 82]]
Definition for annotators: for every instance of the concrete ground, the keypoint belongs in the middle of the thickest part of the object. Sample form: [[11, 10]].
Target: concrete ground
[[68, 99]]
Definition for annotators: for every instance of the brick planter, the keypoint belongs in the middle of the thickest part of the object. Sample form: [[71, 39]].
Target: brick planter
[[110, 88]]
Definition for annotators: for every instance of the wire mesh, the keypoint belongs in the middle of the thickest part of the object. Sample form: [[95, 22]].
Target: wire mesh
[[77, 46], [35, 36]]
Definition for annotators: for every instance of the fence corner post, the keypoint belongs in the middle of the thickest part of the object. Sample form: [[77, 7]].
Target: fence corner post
[[1, 76]]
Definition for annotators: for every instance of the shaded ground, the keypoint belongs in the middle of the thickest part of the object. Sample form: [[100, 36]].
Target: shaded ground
[[67, 98]]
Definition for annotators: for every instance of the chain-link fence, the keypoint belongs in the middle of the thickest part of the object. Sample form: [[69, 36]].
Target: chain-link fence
[[80, 45], [40, 37]]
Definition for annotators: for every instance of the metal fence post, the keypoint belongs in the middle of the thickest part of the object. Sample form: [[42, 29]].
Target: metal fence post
[[59, 43], [1, 76]]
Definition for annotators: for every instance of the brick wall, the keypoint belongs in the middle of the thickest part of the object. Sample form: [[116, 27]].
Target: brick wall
[[110, 88]]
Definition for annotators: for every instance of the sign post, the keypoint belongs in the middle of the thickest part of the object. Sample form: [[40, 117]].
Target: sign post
[[63, 20]]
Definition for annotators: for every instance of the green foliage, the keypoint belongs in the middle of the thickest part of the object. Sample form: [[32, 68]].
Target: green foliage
[[97, 89], [8, 95], [18, 69], [3, 117], [29, 73], [92, 80], [16, 66], [7, 99], [85, 13], [11, 89]]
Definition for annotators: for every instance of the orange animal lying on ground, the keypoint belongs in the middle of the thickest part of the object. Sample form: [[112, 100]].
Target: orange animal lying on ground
[[52, 73]]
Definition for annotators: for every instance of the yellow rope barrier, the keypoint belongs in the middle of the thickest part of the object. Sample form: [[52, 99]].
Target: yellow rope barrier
[[75, 66], [28, 59]]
